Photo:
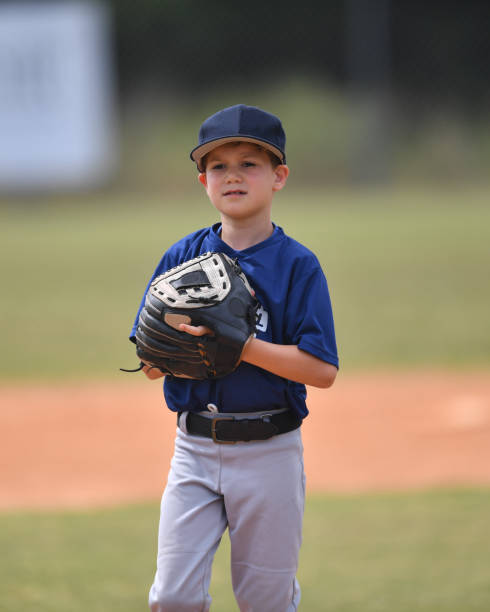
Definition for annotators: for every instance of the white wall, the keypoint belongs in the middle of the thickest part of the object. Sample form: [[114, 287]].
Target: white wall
[[57, 116]]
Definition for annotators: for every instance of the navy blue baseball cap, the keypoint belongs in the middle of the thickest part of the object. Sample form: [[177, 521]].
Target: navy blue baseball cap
[[240, 123]]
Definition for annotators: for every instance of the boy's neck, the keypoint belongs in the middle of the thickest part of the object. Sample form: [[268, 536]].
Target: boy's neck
[[242, 235]]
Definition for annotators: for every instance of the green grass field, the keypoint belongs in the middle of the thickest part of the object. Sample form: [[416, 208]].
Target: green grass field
[[417, 552], [407, 268], [408, 273]]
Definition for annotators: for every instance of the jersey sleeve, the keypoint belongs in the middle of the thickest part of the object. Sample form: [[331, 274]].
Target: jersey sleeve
[[309, 316]]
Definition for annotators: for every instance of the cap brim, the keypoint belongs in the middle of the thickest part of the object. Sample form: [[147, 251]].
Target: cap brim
[[199, 152]]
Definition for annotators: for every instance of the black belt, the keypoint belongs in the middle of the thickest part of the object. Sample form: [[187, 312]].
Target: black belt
[[225, 429]]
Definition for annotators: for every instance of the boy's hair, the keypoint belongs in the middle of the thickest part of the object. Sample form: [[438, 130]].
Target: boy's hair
[[275, 161]]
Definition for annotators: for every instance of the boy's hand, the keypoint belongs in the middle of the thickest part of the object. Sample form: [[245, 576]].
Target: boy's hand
[[196, 330], [151, 372]]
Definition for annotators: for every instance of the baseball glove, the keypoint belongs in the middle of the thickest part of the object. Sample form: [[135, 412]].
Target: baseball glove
[[209, 290]]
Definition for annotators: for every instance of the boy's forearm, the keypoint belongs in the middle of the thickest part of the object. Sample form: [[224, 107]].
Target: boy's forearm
[[283, 360], [290, 362]]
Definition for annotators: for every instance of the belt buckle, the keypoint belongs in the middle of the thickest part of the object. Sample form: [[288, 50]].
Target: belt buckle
[[213, 430]]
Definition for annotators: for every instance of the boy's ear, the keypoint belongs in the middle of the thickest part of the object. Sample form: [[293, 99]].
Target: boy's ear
[[282, 173], [202, 179]]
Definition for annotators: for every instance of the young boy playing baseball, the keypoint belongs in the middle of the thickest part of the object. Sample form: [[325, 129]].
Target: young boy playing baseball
[[255, 487]]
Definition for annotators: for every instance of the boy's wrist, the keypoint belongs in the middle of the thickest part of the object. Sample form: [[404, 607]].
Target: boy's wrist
[[246, 348]]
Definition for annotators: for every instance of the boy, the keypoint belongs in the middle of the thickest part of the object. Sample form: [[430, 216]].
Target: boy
[[255, 488]]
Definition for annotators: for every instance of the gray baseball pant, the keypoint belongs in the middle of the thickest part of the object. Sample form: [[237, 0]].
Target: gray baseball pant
[[257, 490]]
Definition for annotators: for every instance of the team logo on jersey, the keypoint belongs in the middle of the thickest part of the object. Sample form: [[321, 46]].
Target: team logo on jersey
[[262, 319]]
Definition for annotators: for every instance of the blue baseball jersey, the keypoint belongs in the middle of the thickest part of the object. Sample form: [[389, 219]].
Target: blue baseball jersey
[[295, 308]]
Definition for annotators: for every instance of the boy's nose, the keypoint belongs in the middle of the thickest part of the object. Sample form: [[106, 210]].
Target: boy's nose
[[233, 174]]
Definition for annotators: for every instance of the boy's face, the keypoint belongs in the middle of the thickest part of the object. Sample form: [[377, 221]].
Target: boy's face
[[241, 181]]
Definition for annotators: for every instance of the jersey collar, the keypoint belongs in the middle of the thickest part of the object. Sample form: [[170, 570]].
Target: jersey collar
[[218, 245]]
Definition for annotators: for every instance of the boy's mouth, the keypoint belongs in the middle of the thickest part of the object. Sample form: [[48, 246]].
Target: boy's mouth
[[235, 192]]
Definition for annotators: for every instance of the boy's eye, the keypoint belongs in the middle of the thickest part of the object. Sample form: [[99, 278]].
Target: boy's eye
[[248, 164], [217, 166]]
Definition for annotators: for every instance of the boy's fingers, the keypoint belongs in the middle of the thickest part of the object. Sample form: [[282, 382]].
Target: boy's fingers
[[195, 330]]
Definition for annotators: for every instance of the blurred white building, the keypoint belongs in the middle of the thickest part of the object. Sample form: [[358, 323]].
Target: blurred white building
[[57, 115]]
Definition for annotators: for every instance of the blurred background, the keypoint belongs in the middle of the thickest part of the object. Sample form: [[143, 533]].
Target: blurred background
[[369, 91], [386, 108]]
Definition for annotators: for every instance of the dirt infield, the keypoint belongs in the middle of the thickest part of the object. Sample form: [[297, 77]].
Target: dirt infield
[[101, 444]]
